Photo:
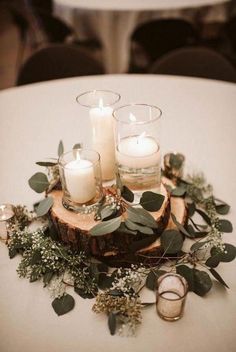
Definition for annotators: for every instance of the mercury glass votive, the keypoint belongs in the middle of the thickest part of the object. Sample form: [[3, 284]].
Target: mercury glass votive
[[137, 139], [7, 214], [171, 295], [100, 104], [80, 175]]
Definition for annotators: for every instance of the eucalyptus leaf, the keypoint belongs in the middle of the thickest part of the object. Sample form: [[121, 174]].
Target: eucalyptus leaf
[[171, 241], [202, 282], [151, 201], [197, 245], [187, 273], [178, 191], [105, 227], [127, 194], [46, 163], [107, 212], [44, 206], [63, 304], [105, 281], [83, 294], [191, 209], [39, 182], [47, 277], [218, 277], [112, 323], [124, 229], [225, 256], [153, 276], [180, 227], [60, 149], [222, 209], [136, 227], [141, 216], [225, 226]]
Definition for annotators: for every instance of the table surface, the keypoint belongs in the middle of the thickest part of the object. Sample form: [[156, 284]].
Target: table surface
[[199, 121], [136, 5]]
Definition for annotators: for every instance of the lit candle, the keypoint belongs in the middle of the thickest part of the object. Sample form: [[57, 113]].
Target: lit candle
[[103, 138], [138, 152], [80, 180]]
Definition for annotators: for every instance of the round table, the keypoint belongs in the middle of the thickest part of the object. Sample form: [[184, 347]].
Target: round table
[[114, 21], [199, 121]]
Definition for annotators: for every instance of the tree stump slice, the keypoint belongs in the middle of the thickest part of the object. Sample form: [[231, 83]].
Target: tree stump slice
[[74, 228]]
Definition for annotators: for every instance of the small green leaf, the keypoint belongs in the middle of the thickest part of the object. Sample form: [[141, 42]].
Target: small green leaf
[[124, 229], [36, 257], [112, 323], [191, 209], [44, 206], [222, 209], [105, 227], [107, 211], [178, 191], [47, 277], [202, 282], [60, 149], [46, 163], [153, 276], [39, 182], [197, 245], [180, 227], [105, 281], [171, 241], [218, 277], [151, 201], [136, 227], [127, 194], [63, 304], [226, 256], [187, 273], [225, 226], [83, 294], [141, 216]]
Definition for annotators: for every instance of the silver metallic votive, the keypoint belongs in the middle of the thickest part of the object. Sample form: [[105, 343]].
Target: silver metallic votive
[[171, 294], [7, 214]]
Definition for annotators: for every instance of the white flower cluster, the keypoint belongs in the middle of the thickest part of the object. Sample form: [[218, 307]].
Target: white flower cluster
[[56, 287], [129, 280]]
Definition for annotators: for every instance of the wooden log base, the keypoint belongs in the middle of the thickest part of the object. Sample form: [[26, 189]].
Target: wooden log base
[[74, 229]]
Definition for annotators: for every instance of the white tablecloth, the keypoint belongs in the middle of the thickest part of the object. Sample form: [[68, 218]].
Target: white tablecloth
[[113, 21], [199, 121]]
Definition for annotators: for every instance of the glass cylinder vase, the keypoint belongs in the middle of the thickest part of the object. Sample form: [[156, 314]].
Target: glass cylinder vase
[[100, 104], [171, 295], [137, 139], [80, 175]]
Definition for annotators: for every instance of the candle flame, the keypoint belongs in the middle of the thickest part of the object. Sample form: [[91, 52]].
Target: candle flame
[[100, 103], [139, 138], [132, 117]]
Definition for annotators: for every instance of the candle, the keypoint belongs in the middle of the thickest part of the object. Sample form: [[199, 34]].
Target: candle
[[138, 152], [80, 180], [7, 214], [103, 138]]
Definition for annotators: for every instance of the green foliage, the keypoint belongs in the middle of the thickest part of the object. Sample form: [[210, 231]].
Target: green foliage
[[63, 304], [44, 206], [112, 323], [171, 241], [151, 201], [105, 227], [127, 194], [39, 182], [198, 281]]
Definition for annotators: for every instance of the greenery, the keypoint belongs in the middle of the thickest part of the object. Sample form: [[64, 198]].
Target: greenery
[[117, 291]]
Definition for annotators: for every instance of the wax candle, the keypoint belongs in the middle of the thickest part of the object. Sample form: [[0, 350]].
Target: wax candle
[[103, 138], [80, 180], [138, 152]]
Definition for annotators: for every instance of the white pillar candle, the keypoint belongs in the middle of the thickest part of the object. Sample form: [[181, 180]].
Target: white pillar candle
[[138, 152], [80, 180], [103, 138]]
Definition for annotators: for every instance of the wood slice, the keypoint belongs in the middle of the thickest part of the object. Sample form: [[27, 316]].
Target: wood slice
[[74, 228]]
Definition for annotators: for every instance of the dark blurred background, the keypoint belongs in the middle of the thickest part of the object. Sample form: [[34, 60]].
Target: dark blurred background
[[28, 28]]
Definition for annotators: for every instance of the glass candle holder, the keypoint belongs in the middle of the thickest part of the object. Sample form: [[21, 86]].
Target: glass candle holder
[[7, 215], [137, 138], [171, 295], [80, 175], [100, 104]]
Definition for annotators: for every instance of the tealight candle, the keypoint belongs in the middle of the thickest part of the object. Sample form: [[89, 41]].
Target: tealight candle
[[103, 138], [138, 152], [171, 293], [80, 180], [7, 214]]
